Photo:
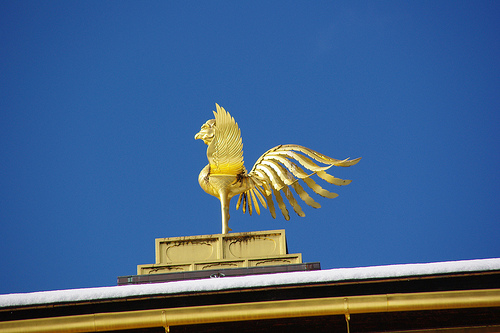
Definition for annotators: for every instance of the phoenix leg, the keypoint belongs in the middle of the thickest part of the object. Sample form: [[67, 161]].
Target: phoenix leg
[[224, 205]]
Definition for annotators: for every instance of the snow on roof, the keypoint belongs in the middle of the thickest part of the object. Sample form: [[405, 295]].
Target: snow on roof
[[249, 281]]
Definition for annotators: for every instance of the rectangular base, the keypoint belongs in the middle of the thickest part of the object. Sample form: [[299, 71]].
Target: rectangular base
[[216, 273], [285, 259], [220, 251]]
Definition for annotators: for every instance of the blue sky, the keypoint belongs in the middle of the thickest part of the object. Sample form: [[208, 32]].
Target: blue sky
[[100, 101]]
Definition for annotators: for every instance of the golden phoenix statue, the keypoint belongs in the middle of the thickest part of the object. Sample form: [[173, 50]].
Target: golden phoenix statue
[[273, 174]]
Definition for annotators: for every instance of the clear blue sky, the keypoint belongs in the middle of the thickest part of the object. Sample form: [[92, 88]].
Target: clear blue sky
[[100, 101]]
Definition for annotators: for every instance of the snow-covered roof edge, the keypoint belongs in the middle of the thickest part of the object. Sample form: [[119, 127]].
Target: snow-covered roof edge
[[249, 281]]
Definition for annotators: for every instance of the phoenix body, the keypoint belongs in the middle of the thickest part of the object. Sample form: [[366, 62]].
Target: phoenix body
[[274, 173]]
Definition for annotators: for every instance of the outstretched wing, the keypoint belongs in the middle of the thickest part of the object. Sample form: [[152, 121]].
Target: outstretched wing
[[225, 152], [276, 171]]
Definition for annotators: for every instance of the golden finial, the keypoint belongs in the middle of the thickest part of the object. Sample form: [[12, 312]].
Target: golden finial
[[273, 174]]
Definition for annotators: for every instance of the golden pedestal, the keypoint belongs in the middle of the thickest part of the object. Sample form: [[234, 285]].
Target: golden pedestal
[[219, 251]]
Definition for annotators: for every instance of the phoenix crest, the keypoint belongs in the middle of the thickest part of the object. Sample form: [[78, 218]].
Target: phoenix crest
[[272, 175]]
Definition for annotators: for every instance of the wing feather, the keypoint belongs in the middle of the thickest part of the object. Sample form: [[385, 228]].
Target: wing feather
[[333, 180], [290, 165], [270, 203], [258, 192], [267, 193], [225, 152], [281, 204], [238, 203], [280, 169], [265, 180], [318, 156], [271, 174], [305, 196], [255, 203], [295, 205], [280, 172], [319, 190], [249, 203], [245, 200]]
